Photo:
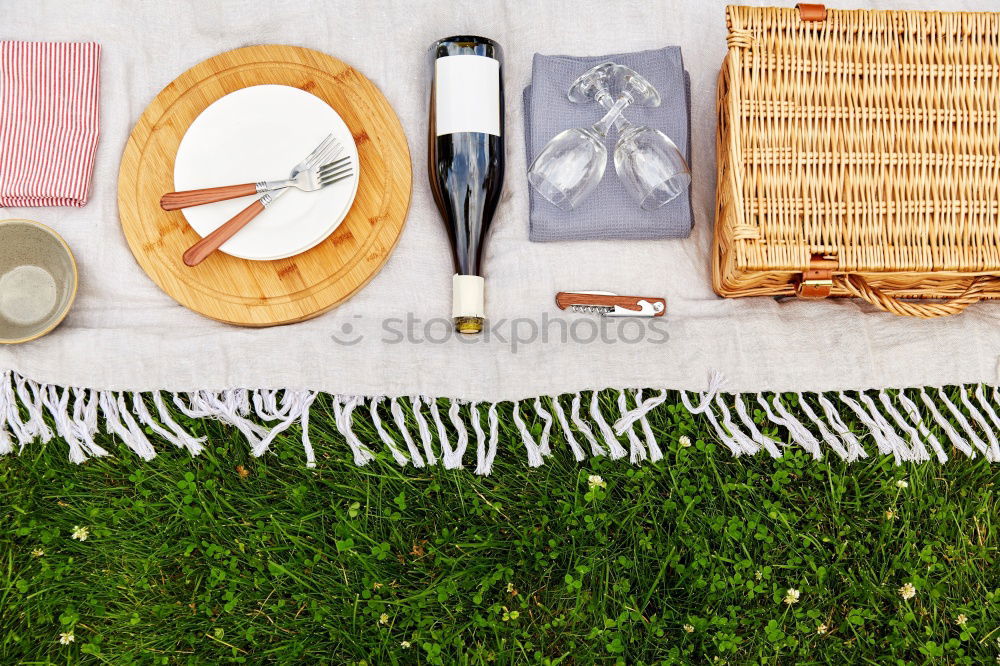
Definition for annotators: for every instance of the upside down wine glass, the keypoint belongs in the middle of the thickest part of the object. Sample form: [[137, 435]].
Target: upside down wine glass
[[648, 162], [572, 163]]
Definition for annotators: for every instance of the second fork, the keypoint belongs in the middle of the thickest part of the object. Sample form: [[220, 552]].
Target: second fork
[[307, 180]]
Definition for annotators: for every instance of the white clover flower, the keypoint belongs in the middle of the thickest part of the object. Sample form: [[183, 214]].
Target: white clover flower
[[961, 620], [406, 645], [907, 591], [902, 483], [383, 618], [66, 638], [791, 596], [821, 629], [38, 552], [758, 575], [688, 628], [684, 441], [595, 481], [80, 533]]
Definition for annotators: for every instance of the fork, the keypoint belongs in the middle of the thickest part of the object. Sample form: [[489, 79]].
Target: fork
[[299, 178], [314, 179]]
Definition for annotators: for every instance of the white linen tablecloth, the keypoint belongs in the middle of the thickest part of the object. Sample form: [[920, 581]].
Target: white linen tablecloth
[[126, 334]]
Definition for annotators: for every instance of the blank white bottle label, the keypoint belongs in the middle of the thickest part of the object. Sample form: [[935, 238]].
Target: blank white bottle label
[[467, 296], [467, 94]]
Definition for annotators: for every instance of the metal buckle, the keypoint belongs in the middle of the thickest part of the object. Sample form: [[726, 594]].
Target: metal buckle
[[817, 280]]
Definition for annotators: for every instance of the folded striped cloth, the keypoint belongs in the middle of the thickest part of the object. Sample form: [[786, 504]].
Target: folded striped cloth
[[49, 114]]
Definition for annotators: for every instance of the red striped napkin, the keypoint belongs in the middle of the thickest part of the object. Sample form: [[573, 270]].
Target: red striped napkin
[[49, 113]]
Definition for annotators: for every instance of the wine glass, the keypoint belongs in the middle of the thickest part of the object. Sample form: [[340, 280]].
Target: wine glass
[[572, 163], [650, 166], [647, 161]]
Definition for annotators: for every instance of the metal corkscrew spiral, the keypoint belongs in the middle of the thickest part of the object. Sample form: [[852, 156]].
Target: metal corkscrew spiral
[[590, 309]]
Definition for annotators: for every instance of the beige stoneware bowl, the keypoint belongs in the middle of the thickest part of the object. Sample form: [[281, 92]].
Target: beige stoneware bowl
[[38, 280]]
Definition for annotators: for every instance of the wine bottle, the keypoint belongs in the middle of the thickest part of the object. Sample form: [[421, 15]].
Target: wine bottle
[[466, 159]]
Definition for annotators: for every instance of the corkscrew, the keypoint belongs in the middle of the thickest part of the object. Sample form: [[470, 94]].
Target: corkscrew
[[608, 304]]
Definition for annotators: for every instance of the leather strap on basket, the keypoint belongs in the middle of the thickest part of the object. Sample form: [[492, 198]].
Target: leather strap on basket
[[817, 280], [857, 286], [811, 12]]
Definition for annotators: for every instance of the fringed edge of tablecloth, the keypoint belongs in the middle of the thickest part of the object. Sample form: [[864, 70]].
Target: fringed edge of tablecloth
[[413, 431]]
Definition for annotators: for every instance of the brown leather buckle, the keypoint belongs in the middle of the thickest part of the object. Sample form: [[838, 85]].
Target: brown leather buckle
[[811, 12], [817, 280]]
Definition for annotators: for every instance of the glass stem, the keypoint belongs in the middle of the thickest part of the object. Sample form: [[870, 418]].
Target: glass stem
[[613, 115], [621, 123]]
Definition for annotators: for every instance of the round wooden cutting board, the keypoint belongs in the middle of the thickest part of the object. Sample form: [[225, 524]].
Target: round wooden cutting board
[[266, 293]]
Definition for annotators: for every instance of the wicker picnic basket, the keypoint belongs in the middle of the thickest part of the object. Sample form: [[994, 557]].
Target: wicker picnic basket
[[859, 155]]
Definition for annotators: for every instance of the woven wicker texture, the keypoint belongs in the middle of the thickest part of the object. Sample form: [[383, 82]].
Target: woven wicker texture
[[871, 138]]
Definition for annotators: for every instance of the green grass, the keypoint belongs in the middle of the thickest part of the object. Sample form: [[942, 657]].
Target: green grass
[[190, 561]]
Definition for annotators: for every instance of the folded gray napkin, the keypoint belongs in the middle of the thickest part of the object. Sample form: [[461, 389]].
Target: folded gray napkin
[[609, 213]]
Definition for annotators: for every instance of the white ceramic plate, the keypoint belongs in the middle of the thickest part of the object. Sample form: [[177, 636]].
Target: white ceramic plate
[[260, 133]]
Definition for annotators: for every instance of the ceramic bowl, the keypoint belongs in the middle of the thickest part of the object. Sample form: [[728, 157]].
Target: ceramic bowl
[[38, 280]]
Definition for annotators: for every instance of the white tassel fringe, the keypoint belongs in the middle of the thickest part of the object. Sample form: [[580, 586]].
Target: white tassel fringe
[[910, 430]]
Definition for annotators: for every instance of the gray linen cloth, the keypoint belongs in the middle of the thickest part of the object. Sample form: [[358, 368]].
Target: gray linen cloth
[[608, 213]]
